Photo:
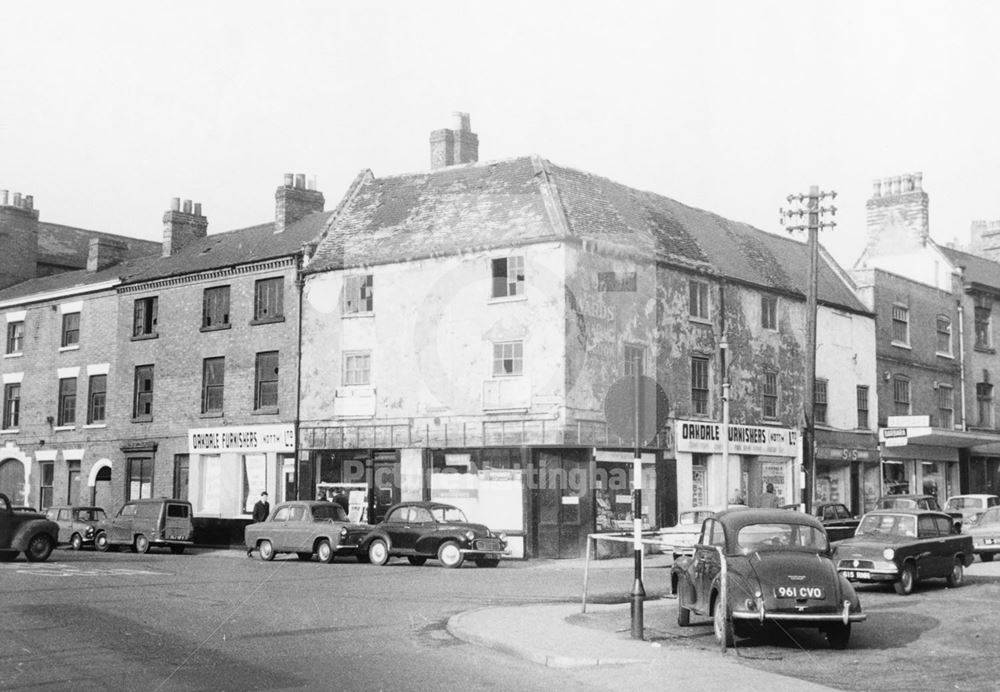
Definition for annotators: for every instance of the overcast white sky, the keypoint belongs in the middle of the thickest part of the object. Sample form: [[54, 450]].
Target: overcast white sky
[[109, 109]]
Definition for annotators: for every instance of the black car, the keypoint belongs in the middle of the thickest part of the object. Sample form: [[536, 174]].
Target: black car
[[837, 520], [420, 531]]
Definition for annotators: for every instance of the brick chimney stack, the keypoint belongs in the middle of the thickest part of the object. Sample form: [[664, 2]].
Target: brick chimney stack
[[105, 252], [296, 199], [181, 225], [898, 212], [454, 146], [18, 238], [986, 239]]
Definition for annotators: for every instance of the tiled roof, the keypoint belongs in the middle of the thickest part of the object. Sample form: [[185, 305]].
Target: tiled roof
[[69, 246], [528, 199], [79, 280], [978, 269]]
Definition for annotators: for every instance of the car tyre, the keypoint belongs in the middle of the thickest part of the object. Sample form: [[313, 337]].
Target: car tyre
[[177, 549], [266, 551], [140, 544], [416, 560], [957, 575], [838, 635], [722, 625], [76, 541], [986, 557], [908, 577], [324, 552], [39, 547], [450, 555], [378, 552], [101, 542], [362, 557], [488, 562]]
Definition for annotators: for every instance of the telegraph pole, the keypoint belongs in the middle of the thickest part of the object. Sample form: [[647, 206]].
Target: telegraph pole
[[638, 593], [808, 206]]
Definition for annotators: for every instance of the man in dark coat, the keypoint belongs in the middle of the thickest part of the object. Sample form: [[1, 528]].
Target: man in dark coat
[[261, 510]]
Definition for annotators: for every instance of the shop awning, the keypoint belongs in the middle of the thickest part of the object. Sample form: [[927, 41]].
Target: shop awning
[[978, 441]]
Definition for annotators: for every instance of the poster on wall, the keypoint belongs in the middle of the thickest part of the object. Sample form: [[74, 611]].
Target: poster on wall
[[774, 473]]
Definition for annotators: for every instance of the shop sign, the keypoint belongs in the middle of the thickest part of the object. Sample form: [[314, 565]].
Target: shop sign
[[845, 454], [707, 437], [909, 421], [242, 439]]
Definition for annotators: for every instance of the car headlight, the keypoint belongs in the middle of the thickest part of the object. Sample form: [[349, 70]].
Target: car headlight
[[469, 535], [89, 532], [888, 553], [343, 532]]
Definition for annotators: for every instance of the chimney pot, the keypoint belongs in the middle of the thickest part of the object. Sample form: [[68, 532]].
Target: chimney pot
[[17, 199], [175, 204], [294, 200], [918, 181], [460, 121], [311, 182], [3, 198], [197, 208], [877, 188], [450, 147], [300, 181], [289, 180], [29, 202]]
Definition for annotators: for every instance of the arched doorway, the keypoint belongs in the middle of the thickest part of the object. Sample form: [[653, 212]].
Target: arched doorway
[[100, 483], [12, 480]]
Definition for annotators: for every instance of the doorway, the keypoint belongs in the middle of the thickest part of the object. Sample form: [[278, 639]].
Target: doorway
[[563, 499]]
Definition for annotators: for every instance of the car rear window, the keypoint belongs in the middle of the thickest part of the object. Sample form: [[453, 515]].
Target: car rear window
[[777, 535], [324, 512], [178, 511]]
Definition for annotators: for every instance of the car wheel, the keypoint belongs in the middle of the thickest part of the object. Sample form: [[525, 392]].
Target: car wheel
[[986, 557], [362, 557], [39, 547], [722, 624], [957, 575], [140, 545], [838, 635], [378, 552], [450, 555], [304, 557], [324, 551], [101, 542], [488, 562], [417, 560], [904, 587], [8, 555], [266, 551], [177, 549], [76, 541]]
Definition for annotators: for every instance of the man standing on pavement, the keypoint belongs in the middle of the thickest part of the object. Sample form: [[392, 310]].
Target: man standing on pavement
[[261, 510], [769, 500]]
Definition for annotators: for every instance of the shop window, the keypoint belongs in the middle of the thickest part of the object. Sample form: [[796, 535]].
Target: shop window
[[268, 300], [507, 275], [900, 325], [215, 308], [698, 299], [358, 294], [699, 480], [634, 360], [139, 478], [142, 399], [254, 480], [213, 383], [144, 315], [182, 474], [770, 403], [266, 381], [210, 484], [97, 399], [66, 415], [862, 392], [943, 336], [901, 396], [983, 322], [819, 402], [70, 330], [508, 359], [15, 337], [357, 368], [769, 312], [946, 406], [11, 406], [48, 473], [699, 385], [984, 404]]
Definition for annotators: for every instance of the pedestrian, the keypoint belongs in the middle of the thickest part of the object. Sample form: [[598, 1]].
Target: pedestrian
[[769, 500], [261, 510]]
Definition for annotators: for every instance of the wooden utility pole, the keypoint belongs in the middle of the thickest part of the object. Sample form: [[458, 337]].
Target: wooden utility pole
[[813, 213]]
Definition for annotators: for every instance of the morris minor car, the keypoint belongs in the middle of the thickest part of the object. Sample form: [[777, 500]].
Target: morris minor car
[[756, 567], [29, 532], [305, 528]]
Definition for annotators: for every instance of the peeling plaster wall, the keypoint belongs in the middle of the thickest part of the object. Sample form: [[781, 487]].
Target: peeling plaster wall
[[430, 336]]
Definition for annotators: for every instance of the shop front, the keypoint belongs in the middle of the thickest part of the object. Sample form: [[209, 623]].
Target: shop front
[[721, 464], [847, 469]]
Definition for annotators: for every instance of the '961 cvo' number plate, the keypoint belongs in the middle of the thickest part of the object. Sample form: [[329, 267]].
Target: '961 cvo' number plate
[[798, 592]]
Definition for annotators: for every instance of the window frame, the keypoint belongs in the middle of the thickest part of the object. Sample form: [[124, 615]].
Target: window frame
[[66, 406], [984, 404], [141, 396], [97, 400], [144, 463], [46, 484], [11, 406], [213, 385], [215, 303], [698, 300], [269, 300], [70, 330], [362, 374], [900, 385], [900, 325], [946, 414], [821, 401], [700, 386], [769, 312], [507, 277], [260, 382], [983, 323], [145, 313], [769, 395], [508, 351], [15, 334], [862, 396], [359, 294], [945, 333]]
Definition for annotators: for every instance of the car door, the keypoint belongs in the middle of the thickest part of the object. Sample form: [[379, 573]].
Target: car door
[[397, 527], [930, 559], [707, 563], [120, 530], [299, 528], [418, 520], [277, 529]]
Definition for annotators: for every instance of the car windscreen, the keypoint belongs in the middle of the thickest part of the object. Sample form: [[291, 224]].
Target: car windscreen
[[328, 512], [89, 514], [888, 524], [779, 535], [449, 515]]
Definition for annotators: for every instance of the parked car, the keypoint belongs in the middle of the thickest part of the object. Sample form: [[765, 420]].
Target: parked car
[[970, 506], [77, 525], [420, 531], [903, 546], [29, 532], [317, 528], [985, 532], [681, 537], [836, 519], [25, 508], [917, 502], [141, 524], [776, 568]]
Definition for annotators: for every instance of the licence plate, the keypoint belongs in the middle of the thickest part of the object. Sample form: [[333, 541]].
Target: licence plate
[[851, 574], [990, 541], [798, 592]]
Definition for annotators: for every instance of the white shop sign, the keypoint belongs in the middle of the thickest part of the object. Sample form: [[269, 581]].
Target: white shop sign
[[706, 437], [242, 439]]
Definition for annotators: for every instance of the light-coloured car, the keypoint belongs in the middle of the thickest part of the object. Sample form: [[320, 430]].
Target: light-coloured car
[[985, 534], [970, 506], [77, 525], [305, 528], [680, 538]]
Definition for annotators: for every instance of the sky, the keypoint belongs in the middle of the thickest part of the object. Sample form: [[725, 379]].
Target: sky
[[110, 109]]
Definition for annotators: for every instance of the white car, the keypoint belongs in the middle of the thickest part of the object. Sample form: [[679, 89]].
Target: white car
[[681, 538], [986, 534], [970, 506]]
